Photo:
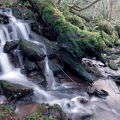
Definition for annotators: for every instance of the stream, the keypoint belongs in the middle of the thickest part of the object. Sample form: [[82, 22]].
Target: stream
[[102, 108]]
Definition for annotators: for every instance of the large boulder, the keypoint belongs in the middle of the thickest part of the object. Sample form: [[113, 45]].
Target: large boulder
[[51, 47], [9, 45], [13, 91], [31, 50]]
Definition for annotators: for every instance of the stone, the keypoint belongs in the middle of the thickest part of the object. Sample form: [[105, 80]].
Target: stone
[[30, 66], [53, 64], [113, 57], [41, 64], [112, 65], [13, 91], [31, 50], [9, 45], [51, 47]]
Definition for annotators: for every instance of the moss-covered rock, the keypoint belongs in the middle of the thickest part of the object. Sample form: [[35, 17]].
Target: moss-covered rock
[[13, 91], [112, 65], [31, 50], [106, 27], [107, 50], [9, 45], [110, 40], [55, 112], [113, 57], [117, 28], [51, 47]]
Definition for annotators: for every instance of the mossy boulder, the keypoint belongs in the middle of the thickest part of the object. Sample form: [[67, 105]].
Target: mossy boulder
[[113, 57], [112, 65], [13, 91], [106, 27], [9, 45], [51, 47], [22, 13], [117, 28], [31, 50], [110, 40]]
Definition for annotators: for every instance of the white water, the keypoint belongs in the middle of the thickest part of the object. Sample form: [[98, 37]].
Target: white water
[[21, 30]]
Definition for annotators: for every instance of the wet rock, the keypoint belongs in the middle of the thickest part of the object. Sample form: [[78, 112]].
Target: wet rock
[[13, 91], [30, 66], [25, 111], [112, 65], [9, 45], [113, 57], [3, 99], [51, 47], [41, 64], [31, 50], [22, 13], [55, 66], [91, 69], [38, 80]]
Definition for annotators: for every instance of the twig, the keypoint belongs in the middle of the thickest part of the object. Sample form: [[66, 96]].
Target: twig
[[66, 74]]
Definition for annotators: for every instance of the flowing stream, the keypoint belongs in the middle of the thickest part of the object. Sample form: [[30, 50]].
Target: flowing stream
[[69, 102]]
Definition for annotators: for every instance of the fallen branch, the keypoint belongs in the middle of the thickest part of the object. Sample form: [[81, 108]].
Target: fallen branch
[[66, 74]]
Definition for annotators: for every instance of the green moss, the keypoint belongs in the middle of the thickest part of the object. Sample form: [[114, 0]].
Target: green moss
[[117, 28], [110, 40], [107, 50], [40, 113], [113, 57], [75, 21], [112, 65], [106, 27], [6, 111]]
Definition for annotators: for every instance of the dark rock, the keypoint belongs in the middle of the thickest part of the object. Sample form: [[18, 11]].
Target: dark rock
[[41, 64], [13, 91], [91, 68], [112, 65], [31, 50], [30, 66], [38, 80], [9, 45], [51, 47], [53, 64]]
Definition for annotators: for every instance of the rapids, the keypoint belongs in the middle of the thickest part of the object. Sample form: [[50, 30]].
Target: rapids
[[104, 108]]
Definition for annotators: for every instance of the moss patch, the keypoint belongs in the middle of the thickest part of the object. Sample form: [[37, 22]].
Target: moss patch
[[112, 65], [113, 57]]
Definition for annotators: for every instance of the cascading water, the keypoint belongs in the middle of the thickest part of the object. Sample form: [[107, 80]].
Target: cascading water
[[18, 29]]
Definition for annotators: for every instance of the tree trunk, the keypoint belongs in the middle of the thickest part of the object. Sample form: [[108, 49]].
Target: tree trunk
[[73, 43]]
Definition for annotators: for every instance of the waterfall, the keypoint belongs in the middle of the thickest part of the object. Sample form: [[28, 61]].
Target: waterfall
[[70, 103]]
